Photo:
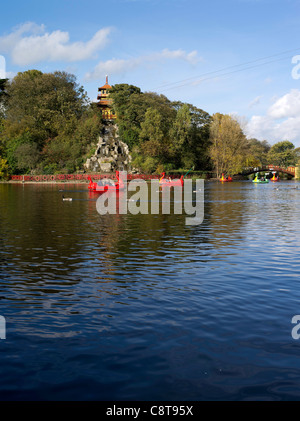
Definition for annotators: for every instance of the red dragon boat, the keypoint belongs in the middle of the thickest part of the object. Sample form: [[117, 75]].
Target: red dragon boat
[[106, 184], [223, 178], [274, 178], [169, 182]]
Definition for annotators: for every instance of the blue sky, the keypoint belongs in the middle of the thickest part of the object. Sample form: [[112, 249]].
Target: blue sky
[[237, 56]]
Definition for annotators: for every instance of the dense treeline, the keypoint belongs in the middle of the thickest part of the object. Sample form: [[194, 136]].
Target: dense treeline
[[48, 125], [161, 134], [174, 135]]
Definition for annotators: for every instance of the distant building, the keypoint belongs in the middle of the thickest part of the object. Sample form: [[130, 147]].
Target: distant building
[[105, 103]]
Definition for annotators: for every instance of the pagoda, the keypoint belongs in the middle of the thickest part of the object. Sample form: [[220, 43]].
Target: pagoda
[[105, 103]]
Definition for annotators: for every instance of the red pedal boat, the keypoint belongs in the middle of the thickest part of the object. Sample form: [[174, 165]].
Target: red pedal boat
[[169, 182], [274, 178], [223, 178], [106, 184]]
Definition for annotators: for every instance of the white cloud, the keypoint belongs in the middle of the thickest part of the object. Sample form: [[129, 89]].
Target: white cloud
[[268, 80], [121, 66], [113, 66], [30, 43], [286, 106], [281, 121], [180, 54], [255, 101], [7, 42]]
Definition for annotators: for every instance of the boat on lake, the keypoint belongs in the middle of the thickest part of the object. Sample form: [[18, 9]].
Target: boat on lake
[[225, 178], [274, 178], [260, 180], [106, 184], [170, 182]]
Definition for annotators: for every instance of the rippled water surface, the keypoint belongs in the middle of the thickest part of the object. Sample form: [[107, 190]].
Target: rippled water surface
[[144, 307]]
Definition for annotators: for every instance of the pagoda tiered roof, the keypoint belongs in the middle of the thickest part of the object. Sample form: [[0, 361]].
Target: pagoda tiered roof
[[105, 103], [106, 86]]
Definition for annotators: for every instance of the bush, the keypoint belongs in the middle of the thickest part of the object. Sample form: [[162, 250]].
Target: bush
[[3, 169]]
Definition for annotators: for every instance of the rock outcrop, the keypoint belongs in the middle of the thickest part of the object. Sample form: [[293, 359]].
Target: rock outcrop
[[111, 153]]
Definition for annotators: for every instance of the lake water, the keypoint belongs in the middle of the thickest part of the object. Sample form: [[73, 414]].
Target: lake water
[[145, 307]]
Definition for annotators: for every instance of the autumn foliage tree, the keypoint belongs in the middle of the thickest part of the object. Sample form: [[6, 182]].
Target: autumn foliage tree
[[229, 146]]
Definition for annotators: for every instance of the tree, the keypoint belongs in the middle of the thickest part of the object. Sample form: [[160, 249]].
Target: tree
[[180, 129], [3, 168], [126, 112], [12, 156], [45, 108], [3, 83], [120, 94], [259, 151], [282, 154], [3, 100], [3, 92], [297, 153], [190, 136], [27, 156], [195, 149], [131, 105], [228, 150], [45, 101], [160, 132], [153, 136]]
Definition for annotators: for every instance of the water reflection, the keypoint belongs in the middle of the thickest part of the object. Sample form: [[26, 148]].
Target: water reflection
[[46, 238], [145, 297]]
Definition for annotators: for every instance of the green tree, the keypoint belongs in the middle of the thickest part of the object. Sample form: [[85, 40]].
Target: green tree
[[45, 101], [123, 105], [42, 108], [27, 156], [152, 134], [258, 152], [14, 149], [3, 94], [161, 132], [180, 129], [195, 151], [282, 154], [3, 100], [297, 153], [3, 83], [131, 105], [120, 94], [3, 168]]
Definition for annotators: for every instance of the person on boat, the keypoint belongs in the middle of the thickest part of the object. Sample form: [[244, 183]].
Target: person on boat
[[105, 182]]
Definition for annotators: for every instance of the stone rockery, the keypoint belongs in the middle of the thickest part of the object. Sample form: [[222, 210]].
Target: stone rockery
[[111, 154]]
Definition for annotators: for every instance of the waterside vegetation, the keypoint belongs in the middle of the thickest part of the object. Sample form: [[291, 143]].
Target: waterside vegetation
[[48, 125]]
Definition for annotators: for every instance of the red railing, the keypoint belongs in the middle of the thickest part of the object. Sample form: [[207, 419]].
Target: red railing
[[289, 170], [77, 177]]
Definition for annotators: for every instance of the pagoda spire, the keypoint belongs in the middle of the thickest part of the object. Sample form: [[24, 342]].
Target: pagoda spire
[[105, 103]]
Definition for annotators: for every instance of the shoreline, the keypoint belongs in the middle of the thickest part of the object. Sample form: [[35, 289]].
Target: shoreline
[[74, 181], [45, 182], [86, 182]]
